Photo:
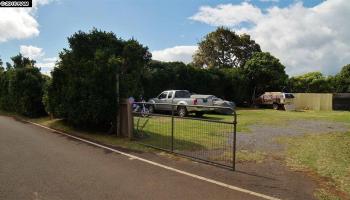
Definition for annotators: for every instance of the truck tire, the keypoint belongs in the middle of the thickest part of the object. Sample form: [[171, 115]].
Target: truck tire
[[275, 106], [182, 111]]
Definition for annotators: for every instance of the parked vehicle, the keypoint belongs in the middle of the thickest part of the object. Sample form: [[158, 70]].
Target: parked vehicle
[[215, 101], [184, 103], [278, 100]]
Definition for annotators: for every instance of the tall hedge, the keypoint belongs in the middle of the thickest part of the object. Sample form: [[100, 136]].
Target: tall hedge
[[83, 86], [21, 88], [225, 83]]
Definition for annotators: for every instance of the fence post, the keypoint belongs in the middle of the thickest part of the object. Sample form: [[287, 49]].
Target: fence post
[[172, 128], [130, 116], [234, 141]]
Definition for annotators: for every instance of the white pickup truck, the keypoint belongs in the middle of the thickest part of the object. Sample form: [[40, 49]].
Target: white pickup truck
[[183, 101]]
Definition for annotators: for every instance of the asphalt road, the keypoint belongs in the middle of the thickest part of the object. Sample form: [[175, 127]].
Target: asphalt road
[[38, 164]]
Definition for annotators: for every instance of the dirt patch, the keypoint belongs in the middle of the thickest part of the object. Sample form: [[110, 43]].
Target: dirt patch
[[263, 137]]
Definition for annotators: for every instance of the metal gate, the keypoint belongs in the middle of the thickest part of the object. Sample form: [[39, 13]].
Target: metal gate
[[209, 138]]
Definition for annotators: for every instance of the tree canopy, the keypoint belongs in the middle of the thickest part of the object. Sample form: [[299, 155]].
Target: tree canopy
[[343, 79], [1, 67], [83, 87], [265, 73], [314, 82], [21, 87], [223, 48]]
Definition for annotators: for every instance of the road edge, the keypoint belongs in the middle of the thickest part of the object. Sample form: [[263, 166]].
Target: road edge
[[133, 157]]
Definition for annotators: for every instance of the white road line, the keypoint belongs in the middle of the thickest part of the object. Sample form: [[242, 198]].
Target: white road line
[[132, 157]]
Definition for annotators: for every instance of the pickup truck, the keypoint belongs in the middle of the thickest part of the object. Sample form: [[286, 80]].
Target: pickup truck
[[182, 99]]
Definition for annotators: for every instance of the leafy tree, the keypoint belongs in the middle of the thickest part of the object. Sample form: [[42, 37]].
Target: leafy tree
[[343, 79], [22, 62], [264, 73], [3, 88], [313, 82], [1, 67], [134, 60], [83, 86], [21, 88], [45, 99], [223, 48]]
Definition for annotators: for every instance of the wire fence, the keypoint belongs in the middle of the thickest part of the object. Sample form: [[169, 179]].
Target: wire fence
[[208, 138]]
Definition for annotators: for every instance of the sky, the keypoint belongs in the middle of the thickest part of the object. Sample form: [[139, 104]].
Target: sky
[[309, 35]]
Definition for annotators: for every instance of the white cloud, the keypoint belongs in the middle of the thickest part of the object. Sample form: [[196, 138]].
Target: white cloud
[[305, 39], [228, 14], [47, 64], [52, 59], [177, 53], [19, 23], [31, 52]]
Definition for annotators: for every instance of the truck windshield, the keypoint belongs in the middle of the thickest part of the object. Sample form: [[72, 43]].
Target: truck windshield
[[182, 94]]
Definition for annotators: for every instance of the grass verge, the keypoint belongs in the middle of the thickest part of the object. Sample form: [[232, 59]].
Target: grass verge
[[328, 157], [100, 137]]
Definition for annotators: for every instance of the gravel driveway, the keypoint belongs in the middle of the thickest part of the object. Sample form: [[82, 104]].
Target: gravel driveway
[[262, 137]]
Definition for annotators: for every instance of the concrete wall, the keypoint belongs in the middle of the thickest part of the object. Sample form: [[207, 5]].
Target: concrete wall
[[313, 101]]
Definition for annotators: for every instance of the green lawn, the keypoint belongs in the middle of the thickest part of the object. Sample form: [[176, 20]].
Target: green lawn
[[188, 134], [194, 134], [248, 117]]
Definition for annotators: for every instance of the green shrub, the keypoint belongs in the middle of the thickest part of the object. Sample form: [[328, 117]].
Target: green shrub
[[21, 88], [83, 86]]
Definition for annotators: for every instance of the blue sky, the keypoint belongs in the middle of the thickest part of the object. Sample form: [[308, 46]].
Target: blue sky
[[158, 24]]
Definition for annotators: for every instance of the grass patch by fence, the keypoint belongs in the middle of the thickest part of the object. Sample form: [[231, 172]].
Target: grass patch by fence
[[188, 134], [327, 154]]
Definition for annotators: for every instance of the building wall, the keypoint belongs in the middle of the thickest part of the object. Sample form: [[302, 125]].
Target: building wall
[[313, 101]]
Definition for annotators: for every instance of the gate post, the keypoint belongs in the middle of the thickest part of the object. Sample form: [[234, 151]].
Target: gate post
[[130, 121], [172, 127], [126, 119], [234, 141]]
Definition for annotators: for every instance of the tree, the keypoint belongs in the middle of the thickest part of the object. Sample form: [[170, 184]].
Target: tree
[[313, 82], [1, 67], [265, 73], [22, 62], [83, 85], [21, 88], [343, 79], [223, 48]]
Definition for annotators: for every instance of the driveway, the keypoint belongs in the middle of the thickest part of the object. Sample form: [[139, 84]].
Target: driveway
[[38, 164]]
